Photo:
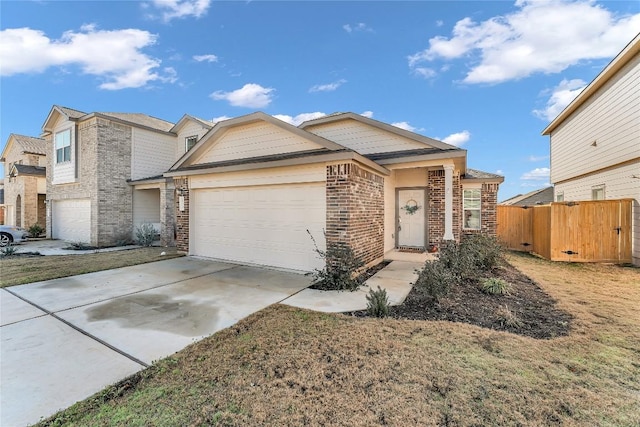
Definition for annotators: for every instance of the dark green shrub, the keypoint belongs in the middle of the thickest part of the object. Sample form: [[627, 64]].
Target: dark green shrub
[[8, 251], [435, 279], [378, 303], [485, 251], [495, 286], [146, 234], [341, 266], [36, 230]]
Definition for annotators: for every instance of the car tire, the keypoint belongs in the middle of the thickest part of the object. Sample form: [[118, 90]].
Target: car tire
[[5, 239]]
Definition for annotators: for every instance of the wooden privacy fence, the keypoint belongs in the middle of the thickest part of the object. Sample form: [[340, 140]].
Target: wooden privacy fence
[[594, 231]]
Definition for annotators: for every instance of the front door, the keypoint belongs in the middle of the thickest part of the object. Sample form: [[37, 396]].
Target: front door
[[411, 218]]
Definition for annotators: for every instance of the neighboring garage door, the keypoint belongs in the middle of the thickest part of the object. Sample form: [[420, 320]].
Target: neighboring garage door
[[265, 225], [71, 220]]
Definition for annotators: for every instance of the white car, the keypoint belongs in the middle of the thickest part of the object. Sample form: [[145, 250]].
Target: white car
[[11, 234]]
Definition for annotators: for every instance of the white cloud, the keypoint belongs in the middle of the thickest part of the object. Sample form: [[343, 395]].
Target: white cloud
[[545, 36], [439, 23], [537, 174], [220, 119], [405, 126], [329, 87], [181, 8], [533, 158], [206, 58], [562, 95], [360, 26], [368, 114], [425, 72], [458, 138], [251, 95], [500, 172], [300, 118], [116, 56]]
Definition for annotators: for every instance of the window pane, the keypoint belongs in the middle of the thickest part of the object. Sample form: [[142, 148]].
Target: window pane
[[59, 155], [63, 138], [67, 153], [472, 204], [472, 219]]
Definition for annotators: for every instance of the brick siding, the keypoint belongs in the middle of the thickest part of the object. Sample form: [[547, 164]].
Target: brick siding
[[355, 210], [436, 186]]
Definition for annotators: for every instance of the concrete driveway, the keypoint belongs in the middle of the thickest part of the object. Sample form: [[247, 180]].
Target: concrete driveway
[[65, 339]]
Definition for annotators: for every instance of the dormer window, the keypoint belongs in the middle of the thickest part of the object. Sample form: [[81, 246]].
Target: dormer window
[[189, 142], [63, 146]]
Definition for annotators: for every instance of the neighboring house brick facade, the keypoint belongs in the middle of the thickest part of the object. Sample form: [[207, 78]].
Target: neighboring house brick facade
[[595, 140], [24, 159]]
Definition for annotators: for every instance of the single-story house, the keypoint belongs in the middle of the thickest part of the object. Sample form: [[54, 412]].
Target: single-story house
[[254, 189]]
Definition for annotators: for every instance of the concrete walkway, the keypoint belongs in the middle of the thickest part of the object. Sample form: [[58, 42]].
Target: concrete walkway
[[65, 339], [397, 278]]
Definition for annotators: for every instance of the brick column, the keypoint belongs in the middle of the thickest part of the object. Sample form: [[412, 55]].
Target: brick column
[[182, 213], [448, 203], [167, 213], [489, 207]]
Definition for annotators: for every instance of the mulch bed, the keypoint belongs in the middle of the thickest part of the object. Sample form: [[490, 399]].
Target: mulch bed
[[321, 286], [536, 312]]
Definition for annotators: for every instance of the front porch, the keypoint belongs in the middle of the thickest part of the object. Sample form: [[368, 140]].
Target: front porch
[[153, 201]]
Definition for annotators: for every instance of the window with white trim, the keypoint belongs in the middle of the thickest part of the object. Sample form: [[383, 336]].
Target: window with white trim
[[560, 197], [63, 146], [471, 203], [597, 192], [189, 142]]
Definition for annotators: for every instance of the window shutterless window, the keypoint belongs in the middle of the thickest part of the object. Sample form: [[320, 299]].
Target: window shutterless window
[[471, 203], [63, 146], [560, 197], [189, 142], [597, 193]]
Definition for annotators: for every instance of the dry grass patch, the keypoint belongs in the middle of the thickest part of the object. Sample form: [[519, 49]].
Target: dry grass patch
[[17, 270], [284, 366]]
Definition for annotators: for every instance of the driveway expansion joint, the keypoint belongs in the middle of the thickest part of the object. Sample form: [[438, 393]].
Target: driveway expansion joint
[[82, 331]]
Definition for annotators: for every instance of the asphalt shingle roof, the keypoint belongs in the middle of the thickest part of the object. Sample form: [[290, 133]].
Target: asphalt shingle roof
[[478, 174], [31, 144], [73, 114], [143, 120], [30, 170]]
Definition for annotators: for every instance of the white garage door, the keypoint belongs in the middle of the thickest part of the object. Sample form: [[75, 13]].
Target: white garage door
[[265, 225], [71, 220]]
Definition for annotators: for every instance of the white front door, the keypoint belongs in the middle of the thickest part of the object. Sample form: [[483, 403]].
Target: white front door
[[411, 218]]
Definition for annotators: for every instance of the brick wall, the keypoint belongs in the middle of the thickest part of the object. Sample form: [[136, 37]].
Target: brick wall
[[436, 186], [355, 210], [24, 186], [488, 219], [182, 217], [114, 207]]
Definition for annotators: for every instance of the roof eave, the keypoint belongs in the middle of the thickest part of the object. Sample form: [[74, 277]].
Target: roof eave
[[448, 154], [616, 64]]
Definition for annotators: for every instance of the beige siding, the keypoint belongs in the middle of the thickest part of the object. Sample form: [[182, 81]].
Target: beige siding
[[363, 138], [146, 208], [192, 128], [64, 173], [152, 153], [611, 118], [619, 184], [411, 178], [254, 140], [297, 174]]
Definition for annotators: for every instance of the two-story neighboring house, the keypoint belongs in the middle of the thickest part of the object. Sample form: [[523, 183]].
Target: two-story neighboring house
[[105, 173], [595, 141], [25, 160]]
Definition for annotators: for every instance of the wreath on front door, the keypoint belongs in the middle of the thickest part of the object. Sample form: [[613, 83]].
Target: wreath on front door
[[411, 207]]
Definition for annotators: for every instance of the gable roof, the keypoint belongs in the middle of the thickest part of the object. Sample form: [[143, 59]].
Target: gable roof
[[187, 118], [29, 144], [18, 169], [622, 59], [380, 125], [134, 119], [536, 197], [258, 116]]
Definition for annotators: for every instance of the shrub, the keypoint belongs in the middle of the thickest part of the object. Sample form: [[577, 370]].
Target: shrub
[[435, 279], [146, 234], [508, 318], [378, 303], [79, 246], [485, 251], [495, 286], [36, 230], [123, 239], [341, 266], [8, 251]]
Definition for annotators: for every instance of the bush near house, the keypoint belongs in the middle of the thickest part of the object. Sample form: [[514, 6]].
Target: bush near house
[[36, 230]]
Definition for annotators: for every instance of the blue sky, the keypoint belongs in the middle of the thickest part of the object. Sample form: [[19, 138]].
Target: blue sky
[[486, 76]]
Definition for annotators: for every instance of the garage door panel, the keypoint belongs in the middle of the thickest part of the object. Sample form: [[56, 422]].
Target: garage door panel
[[71, 220], [261, 225]]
